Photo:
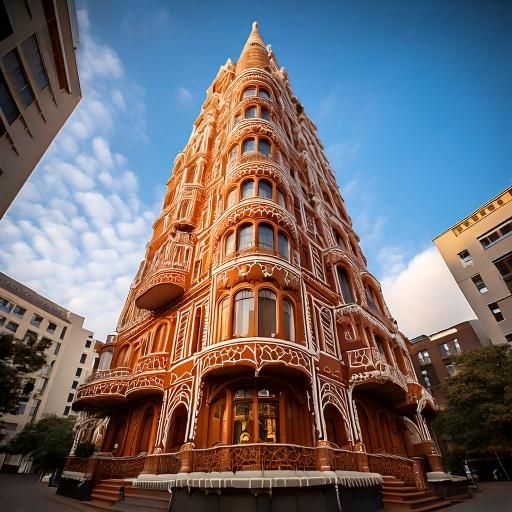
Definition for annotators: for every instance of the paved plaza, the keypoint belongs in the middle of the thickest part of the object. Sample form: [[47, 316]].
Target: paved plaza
[[24, 493]]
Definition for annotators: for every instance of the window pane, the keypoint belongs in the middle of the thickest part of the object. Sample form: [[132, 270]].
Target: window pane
[[224, 319], [33, 54], [230, 200], [267, 324], [245, 237], [266, 236], [7, 103], [244, 313], [263, 93], [250, 113], [267, 422], [264, 147], [265, 114], [346, 289], [247, 189], [289, 321], [280, 199], [232, 154], [249, 146], [265, 189], [250, 91], [229, 246], [13, 64], [283, 246], [242, 423]]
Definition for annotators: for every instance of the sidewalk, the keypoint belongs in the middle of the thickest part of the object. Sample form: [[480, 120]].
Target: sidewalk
[[494, 497]]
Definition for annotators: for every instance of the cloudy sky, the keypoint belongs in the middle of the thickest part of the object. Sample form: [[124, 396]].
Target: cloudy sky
[[412, 102]]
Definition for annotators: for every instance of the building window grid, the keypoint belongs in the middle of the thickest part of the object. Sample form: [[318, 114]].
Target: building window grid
[[496, 311], [479, 283], [496, 235]]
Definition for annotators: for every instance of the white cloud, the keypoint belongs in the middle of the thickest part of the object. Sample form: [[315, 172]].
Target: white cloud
[[77, 230], [184, 96], [422, 294]]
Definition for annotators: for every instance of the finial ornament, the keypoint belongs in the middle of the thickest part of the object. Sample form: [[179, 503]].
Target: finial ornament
[[255, 25]]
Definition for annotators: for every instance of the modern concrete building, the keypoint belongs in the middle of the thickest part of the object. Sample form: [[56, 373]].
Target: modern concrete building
[[254, 340], [39, 86], [478, 252], [70, 358], [432, 356]]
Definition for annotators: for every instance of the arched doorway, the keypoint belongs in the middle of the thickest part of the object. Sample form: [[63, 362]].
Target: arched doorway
[[335, 426], [145, 431], [177, 429], [364, 424]]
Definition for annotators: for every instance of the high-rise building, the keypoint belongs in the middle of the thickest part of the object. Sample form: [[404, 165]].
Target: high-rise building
[[478, 252], [253, 336], [70, 357], [39, 86], [433, 355]]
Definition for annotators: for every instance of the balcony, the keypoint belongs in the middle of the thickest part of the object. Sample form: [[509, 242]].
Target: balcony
[[368, 365], [164, 278]]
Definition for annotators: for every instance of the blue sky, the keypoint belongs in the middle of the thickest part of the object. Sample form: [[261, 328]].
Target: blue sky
[[411, 99]]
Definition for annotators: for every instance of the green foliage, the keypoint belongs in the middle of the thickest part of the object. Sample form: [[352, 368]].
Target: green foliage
[[478, 415], [84, 449], [17, 359], [48, 442]]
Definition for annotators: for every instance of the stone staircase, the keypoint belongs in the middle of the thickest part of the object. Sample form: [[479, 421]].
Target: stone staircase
[[398, 496], [105, 496]]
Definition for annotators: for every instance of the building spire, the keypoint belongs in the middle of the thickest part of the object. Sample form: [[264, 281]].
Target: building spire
[[254, 53]]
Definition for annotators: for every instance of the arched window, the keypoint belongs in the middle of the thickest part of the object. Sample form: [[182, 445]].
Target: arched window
[[265, 114], [264, 147], [231, 198], [283, 245], [247, 189], [229, 244], [370, 297], [105, 360], [280, 199], [266, 236], [263, 93], [250, 91], [233, 154], [244, 313], [288, 320], [267, 315], [251, 113], [122, 358], [346, 288], [159, 339], [223, 326], [265, 189], [249, 146], [339, 239], [245, 237]]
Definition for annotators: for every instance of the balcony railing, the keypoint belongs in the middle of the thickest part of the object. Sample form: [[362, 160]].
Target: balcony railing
[[407, 470], [114, 373]]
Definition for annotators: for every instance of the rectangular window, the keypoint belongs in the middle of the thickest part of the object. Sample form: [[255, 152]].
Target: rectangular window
[[479, 283], [63, 332], [450, 368], [5, 24], [444, 350], [35, 408], [496, 311], [2, 320], [74, 385], [19, 311], [70, 397], [456, 345], [15, 68], [496, 234], [83, 358], [5, 305], [465, 257], [424, 357], [504, 266], [7, 103], [36, 320], [426, 378], [66, 410], [78, 372], [11, 326], [508, 337], [29, 335], [88, 343], [57, 349], [33, 54], [51, 327], [21, 408]]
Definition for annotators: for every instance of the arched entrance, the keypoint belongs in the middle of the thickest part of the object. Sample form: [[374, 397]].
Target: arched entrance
[[177, 429], [146, 427], [335, 426]]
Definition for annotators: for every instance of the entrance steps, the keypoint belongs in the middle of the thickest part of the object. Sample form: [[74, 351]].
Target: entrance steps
[[398, 497], [106, 496]]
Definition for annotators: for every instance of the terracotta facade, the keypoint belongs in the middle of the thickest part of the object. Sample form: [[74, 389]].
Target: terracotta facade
[[253, 320]]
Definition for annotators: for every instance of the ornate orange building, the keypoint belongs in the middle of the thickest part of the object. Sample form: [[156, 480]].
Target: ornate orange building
[[253, 336]]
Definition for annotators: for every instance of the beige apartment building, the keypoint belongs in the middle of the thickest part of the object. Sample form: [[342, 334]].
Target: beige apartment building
[[70, 358], [478, 252], [39, 85]]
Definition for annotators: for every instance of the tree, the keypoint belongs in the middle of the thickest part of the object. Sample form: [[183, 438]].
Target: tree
[[478, 416], [48, 442], [18, 358]]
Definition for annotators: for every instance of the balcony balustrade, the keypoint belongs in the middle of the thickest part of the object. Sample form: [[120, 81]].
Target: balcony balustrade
[[369, 365]]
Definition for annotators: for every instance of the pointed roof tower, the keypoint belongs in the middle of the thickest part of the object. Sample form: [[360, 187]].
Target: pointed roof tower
[[254, 54]]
